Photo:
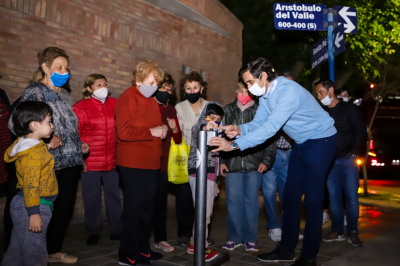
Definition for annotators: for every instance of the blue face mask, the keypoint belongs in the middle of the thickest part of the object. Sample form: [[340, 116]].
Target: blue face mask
[[59, 80]]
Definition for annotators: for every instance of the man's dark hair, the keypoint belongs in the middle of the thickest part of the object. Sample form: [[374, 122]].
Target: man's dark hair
[[215, 109], [342, 89], [326, 84], [27, 112], [258, 66]]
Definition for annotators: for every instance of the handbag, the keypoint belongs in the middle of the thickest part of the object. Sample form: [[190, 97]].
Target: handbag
[[178, 163]]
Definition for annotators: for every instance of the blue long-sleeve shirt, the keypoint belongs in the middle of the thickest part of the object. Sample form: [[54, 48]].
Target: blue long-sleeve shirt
[[290, 107]]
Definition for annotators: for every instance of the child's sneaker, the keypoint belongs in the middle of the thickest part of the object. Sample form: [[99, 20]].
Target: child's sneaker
[[230, 245], [190, 249], [353, 239], [334, 236], [210, 254], [249, 246]]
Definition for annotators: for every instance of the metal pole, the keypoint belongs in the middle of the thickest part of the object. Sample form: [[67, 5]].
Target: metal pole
[[330, 46], [201, 193]]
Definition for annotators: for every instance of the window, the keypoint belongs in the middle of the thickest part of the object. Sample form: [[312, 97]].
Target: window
[[203, 75], [185, 70]]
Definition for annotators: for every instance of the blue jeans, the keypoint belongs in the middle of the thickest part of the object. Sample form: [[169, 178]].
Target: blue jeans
[[344, 176], [308, 170], [242, 203], [271, 181]]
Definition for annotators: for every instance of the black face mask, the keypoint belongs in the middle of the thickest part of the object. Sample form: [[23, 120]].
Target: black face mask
[[162, 96], [192, 97]]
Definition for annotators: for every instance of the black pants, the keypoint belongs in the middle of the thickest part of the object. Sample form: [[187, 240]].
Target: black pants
[[139, 190], [184, 210], [11, 191], [160, 209], [67, 179]]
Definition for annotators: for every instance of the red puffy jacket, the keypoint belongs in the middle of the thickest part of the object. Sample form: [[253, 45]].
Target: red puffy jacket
[[97, 128]]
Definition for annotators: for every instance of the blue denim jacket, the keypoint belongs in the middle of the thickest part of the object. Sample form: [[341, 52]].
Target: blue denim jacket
[[290, 107]]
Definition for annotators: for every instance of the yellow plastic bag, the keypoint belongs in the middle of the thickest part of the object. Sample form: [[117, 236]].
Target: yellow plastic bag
[[178, 163]]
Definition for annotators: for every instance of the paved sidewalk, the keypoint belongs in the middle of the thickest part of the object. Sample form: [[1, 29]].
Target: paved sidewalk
[[379, 228]]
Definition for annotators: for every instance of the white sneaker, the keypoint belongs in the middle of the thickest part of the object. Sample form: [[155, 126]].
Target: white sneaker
[[164, 246], [301, 237], [325, 217], [275, 234], [345, 221]]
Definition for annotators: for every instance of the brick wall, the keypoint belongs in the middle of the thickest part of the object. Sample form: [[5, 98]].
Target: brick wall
[[111, 37]]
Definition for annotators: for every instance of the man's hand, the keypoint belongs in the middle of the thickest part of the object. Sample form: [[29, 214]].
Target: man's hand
[[231, 131], [35, 223], [222, 143], [85, 148], [222, 169], [262, 168], [217, 189]]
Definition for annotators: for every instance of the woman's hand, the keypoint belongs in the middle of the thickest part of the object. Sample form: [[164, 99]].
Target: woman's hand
[[222, 169], [217, 189], [231, 131], [172, 125], [159, 132], [55, 142], [35, 223], [85, 148]]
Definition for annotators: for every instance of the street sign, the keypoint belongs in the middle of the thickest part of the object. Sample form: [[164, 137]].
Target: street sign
[[338, 40], [348, 17], [319, 53], [300, 17], [320, 49]]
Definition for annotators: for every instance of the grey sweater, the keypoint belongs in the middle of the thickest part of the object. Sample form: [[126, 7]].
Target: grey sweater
[[65, 122]]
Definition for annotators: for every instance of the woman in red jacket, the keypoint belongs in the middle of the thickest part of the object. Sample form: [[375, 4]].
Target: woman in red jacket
[[97, 128]]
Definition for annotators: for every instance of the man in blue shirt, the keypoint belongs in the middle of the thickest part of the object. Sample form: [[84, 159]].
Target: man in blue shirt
[[285, 104]]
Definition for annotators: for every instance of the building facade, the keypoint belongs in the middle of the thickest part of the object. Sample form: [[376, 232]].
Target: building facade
[[111, 36]]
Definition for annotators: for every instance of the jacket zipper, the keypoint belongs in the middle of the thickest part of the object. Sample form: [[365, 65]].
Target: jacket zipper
[[241, 156], [106, 118]]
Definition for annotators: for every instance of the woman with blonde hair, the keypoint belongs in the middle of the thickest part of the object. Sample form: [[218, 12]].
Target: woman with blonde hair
[[95, 114], [140, 131]]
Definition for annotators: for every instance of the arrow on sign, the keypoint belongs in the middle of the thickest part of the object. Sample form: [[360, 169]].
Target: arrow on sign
[[345, 15], [338, 39]]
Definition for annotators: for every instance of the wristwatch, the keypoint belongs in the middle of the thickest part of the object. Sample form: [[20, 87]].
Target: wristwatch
[[234, 145]]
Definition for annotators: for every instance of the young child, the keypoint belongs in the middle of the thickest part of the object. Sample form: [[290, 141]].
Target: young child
[[31, 207], [211, 117]]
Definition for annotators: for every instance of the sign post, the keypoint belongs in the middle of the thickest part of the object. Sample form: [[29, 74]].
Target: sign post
[[331, 58]]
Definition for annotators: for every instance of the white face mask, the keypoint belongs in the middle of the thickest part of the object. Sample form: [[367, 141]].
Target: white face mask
[[101, 94], [256, 89], [345, 99], [327, 100]]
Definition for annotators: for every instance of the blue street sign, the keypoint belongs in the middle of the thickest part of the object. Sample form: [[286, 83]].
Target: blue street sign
[[348, 17], [338, 40], [320, 49], [300, 17], [319, 53]]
